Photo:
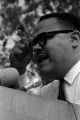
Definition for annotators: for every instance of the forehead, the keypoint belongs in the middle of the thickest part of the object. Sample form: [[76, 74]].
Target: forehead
[[47, 25]]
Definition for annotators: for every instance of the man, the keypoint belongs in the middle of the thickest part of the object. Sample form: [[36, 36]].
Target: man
[[56, 47]]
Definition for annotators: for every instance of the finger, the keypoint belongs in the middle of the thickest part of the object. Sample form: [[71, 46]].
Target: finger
[[16, 51], [24, 47], [13, 60], [25, 42], [20, 46]]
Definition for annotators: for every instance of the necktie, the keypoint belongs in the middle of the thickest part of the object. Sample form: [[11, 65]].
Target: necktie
[[61, 95]]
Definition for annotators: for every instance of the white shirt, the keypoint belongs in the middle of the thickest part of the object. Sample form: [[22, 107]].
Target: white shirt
[[72, 84]]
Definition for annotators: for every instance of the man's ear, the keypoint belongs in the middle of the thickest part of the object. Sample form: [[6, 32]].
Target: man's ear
[[75, 38]]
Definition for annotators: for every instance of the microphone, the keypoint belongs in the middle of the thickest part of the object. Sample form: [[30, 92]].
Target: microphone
[[9, 77], [33, 84]]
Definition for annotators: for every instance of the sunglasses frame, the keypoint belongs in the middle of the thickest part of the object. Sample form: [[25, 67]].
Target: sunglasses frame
[[42, 38]]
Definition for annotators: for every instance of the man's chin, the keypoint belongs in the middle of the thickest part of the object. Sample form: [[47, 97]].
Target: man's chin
[[46, 76], [42, 72], [46, 80]]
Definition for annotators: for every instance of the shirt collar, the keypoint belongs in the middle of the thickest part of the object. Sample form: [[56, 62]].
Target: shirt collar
[[73, 72]]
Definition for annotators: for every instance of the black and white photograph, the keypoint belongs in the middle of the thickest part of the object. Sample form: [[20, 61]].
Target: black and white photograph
[[39, 59]]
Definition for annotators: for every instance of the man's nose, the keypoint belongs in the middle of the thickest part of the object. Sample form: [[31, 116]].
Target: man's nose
[[36, 50], [37, 46]]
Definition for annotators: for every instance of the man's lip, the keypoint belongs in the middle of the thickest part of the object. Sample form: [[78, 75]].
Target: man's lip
[[41, 57]]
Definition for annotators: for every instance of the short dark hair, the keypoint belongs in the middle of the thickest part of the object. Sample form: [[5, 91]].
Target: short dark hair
[[70, 19]]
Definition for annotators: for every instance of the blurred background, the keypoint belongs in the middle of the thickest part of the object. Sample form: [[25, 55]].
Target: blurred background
[[18, 19]]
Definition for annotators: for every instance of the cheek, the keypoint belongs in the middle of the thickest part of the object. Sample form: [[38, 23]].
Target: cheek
[[58, 49], [54, 52]]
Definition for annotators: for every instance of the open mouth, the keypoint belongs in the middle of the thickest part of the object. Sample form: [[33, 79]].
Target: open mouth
[[41, 56]]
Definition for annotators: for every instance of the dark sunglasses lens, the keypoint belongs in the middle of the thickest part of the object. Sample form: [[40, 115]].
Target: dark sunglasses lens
[[35, 41], [40, 39], [50, 35], [44, 37]]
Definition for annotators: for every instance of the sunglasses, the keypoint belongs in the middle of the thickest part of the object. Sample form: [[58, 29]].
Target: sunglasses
[[42, 38]]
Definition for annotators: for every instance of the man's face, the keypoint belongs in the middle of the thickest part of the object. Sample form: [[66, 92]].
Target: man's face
[[54, 56]]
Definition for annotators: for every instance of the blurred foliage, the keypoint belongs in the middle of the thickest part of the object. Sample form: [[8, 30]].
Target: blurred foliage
[[18, 18]]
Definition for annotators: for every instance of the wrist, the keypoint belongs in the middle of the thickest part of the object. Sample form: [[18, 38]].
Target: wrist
[[21, 71]]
